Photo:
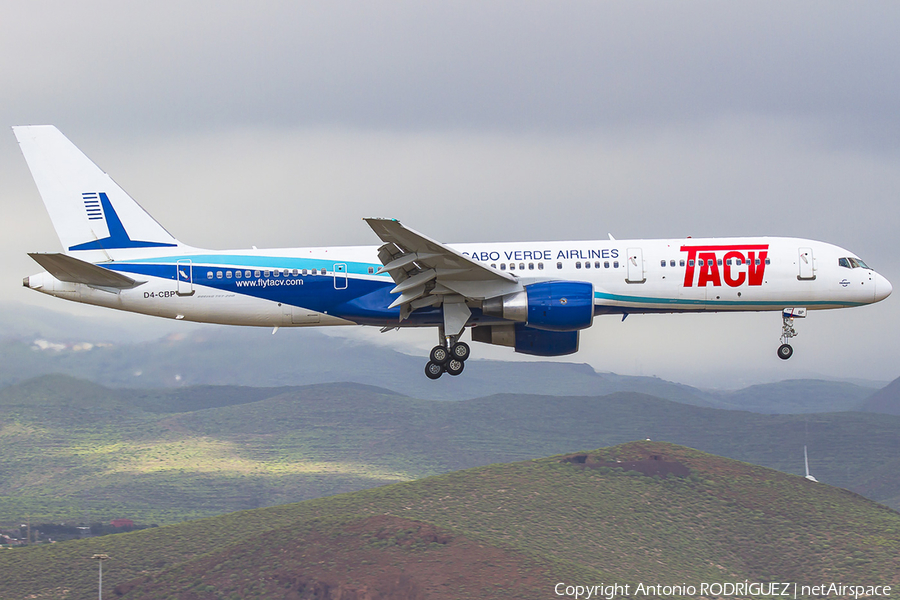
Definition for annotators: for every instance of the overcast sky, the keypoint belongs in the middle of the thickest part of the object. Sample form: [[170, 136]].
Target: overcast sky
[[285, 123]]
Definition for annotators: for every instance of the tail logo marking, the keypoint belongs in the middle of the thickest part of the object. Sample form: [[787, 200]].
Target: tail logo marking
[[92, 206], [97, 205]]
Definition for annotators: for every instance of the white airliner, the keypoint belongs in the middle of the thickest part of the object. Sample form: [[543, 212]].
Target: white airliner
[[532, 296]]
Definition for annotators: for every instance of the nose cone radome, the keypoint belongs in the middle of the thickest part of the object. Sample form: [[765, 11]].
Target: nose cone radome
[[883, 288]]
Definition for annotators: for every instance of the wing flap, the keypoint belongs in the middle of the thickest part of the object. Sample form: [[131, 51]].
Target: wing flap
[[428, 273], [72, 270]]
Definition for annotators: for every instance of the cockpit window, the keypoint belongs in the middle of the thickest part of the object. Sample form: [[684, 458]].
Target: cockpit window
[[852, 263]]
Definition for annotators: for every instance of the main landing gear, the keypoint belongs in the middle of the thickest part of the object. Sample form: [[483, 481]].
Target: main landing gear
[[449, 357], [785, 351]]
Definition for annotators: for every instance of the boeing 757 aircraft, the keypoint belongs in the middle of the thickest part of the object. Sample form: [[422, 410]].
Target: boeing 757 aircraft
[[534, 297]]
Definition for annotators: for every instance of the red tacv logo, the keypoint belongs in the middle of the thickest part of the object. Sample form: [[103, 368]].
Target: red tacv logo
[[739, 265]]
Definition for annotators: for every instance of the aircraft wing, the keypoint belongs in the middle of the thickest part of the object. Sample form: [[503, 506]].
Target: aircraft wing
[[428, 272], [72, 270]]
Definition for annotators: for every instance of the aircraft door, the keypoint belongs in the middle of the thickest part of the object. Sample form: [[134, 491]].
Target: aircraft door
[[635, 266], [184, 274], [340, 276], [807, 266]]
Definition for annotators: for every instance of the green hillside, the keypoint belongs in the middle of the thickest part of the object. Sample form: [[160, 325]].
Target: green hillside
[[661, 514], [74, 451]]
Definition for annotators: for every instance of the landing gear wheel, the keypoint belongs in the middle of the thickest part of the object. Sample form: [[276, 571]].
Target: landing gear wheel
[[455, 367], [785, 351], [460, 351], [439, 355], [434, 370]]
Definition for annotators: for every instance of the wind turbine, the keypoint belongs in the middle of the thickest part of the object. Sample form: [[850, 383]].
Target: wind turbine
[[806, 462]]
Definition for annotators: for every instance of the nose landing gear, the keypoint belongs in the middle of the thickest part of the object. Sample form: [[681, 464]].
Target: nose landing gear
[[785, 351]]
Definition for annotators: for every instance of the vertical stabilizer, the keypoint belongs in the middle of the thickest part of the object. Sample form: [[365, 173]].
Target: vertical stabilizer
[[92, 215]]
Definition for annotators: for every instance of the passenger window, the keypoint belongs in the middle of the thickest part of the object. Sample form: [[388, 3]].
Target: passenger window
[[605, 264], [559, 265], [493, 265], [521, 266], [322, 271], [720, 262], [237, 274], [681, 263], [768, 261], [303, 271], [596, 264], [227, 274], [247, 274], [209, 274], [662, 263], [371, 270], [540, 266], [728, 262], [512, 266], [218, 274], [578, 265], [615, 264], [275, 273], [691, 263], [587, 265], [502, 266], [531, 266], [256, 273], [739, 261], [266, 273], [757, 261], [671, 263]]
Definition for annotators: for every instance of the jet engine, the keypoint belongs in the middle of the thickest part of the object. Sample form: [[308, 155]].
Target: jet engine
[[549, 305]]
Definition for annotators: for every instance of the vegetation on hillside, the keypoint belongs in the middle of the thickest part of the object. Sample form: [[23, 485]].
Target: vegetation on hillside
[[75, 451], [577, 515]]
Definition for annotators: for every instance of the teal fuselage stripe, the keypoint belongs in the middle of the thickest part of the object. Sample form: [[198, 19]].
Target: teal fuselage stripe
[[691, 302], [236, 261]]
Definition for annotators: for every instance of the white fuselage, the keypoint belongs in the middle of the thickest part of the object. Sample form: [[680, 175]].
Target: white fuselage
[[318, 286]]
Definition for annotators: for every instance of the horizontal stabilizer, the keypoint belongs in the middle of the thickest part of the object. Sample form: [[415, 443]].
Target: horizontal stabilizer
[[72, 270]]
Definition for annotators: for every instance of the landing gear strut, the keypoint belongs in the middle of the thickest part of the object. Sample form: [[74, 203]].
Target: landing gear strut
[[785, 351], [449, 356]]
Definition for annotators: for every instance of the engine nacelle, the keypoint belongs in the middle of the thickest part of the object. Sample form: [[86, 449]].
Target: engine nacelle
[[527, 340], [549, 305]]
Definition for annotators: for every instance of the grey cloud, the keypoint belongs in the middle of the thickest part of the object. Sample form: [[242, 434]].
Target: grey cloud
[[514, 66]]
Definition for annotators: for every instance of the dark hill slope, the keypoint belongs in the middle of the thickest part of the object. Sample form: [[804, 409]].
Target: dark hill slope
[[357, 558], [885, 400], [722, 520]]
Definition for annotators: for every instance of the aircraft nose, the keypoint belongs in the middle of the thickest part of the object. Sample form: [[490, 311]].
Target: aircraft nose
[[883, 287]]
